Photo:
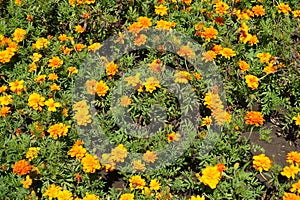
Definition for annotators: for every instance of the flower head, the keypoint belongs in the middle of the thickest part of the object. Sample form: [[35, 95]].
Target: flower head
[[254, 118], [261, 162]]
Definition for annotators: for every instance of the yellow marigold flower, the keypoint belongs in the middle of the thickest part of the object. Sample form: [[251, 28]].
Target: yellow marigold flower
[[81, 105], [72, 71], [208, 33], [52, 191], [227, 53], [258, 10], [161, 10], [182, 77], [293, 157], [209, 56], [211, 176], [290, 171], [19, 35], [197, 198], [297, 119], [253, 40], [154, 185], [151, 84], [164, 25], [284, 8], [270, 69], [262, 162], [21, 168], [18, 2], [94, 47], [140, 39], [137, 182], [40, 78], [32, 67], [217, 48], [111, 69], [58, 130], [36, 57], [119, 153], [101, 88], [32, 153], [27, 182], [290, 196], [206, 121], [90, 163], [138, 165], [296, 13], [82, 117], [36, 101], [79, 47], [55, 62], [149, 156], [79, 29], [52, 105], [127, 196], [64, 195], [63, 37], [17, 86], [3, 88], [173, 137], [264, 57], [244, 66], [133, 80], [41, 43], [187, 2], [4, 111], [125, 101], [296, 187], [54, 87], [144, 22], [252, 81], [186, 51], [5, 100], [221, 7], [254, 118]]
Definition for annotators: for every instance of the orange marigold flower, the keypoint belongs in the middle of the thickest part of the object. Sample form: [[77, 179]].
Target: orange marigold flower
[[296, 187], [91, 86], [262, 162], [55, 62], [217, 48], [197, 198], [119, 153], [32, 153], [36, 101], [290, 196], [3, 88], [270, 69], [94, 47], [21, 167], [138, 165], [164, 25], [27, 182], [90, 197], [133, 80], [221, 7], [149, 156], [101, 88], [79, 47], [254, 118], [18, 2], [186, 51], [209, 56], [244, 66], [6, 100], [284, 8], [72, 71], [111, 69], [187, 2], [173, 137], [19, 35], [144, 22], [58, 130], [253, 40], [156, 65], [36, 57], [161, 10], [63, 37], [293, 157], [137, 182], [227, 53], [252, 81], [140, 39], [79, 29], [40, 78], [297, 119], [90, 163], [258, 10], [125, 101], [82, 117], [208, 33], [264, 57], [4, 111], [290, 171]]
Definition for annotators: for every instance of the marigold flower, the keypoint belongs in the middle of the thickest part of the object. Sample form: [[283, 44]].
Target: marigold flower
[[187, 2], [52, 191], [40, 78], [258, 10], [41, 43], [161, 10], [138, 165], [149, 156], [297, 119], [36, 57], [32, 153], [77, 151], [284, 8], [211, 176], [137, 182], [144, 22], [217, 48], [102, 88], [197, 198], [151, 84], [36, 101], [156, 65], [90, 163], [182, 77], [52, 105], [209, 56], [208, 33], [262, 162], [125, 101], [17, 86], [186, 51], [55, 62], [3, 88], [54, 87], [290, 196], [154, 185], [264, 57], [4, 111], [227, 53], [296, 187], [252, 81], [164, 25], [19, 35], [293, 157], [72, 71], [127, 196], [94, 47], [91, 86], [206, 121], [253, 40], [111, 69], [119, 153], [254, 118], [133, 80], [27, 182], [290, 171], [140, 39], [270, 69], [244, 66], [221, 7], [79, 29], [58, 130], [296, 13], [173, 137], [21, 167], [82, 117], [64, 195]]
